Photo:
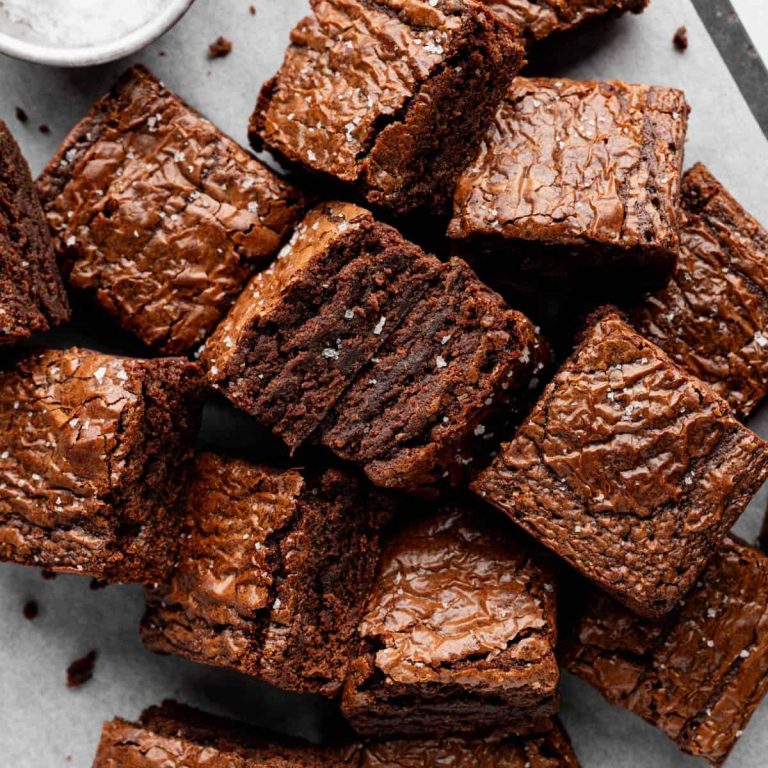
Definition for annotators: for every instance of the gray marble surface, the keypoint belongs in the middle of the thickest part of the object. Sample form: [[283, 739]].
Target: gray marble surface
[[45, 725]]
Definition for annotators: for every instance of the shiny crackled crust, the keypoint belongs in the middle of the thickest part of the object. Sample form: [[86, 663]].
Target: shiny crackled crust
[[712, 318], [158, 215], [93, 451], [699, 674], [541, 18], [245, 594], [629, 468], [387, 94], [590, 170], [32, 297], [459, 633]]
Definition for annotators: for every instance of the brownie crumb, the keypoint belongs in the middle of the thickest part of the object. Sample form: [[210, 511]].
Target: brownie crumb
[[161, 54], [48, 575], [21, 115], [30, 610], [80, 671], [43, 128], [219, 48], [680, 39], [252, 10], [97, 584]]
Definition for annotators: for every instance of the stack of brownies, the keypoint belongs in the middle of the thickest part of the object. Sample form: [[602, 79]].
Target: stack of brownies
[[446, 468]]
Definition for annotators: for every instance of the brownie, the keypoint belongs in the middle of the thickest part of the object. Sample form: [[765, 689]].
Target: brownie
[[698, 674], [576, 177], [307, 325], [159, 217], [273, 573], [629, 468], [427, 406], [712, 318], [459, 632], [541, 18], [32, 297], [93, 451], [388, 96], [175, 736]]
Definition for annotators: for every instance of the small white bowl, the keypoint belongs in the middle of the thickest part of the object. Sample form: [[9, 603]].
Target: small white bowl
[[84, 56]]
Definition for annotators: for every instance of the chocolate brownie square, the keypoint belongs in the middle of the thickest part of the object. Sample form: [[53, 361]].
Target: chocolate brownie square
[[629, 468], [574, 177], [158, 216], [32, 297], [273, 573], [93, 452], [712, 318], [459, 633], [305, 327], [698, 674], [541, 18], [175, 736], [388, 96]]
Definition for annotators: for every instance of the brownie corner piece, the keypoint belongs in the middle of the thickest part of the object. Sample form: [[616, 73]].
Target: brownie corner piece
[[459, 633], [698, 674], [398, 95], [93, 450], [629, 468], [272, 573], [32, 297], [576, 176], [712, 318], [158, 217]]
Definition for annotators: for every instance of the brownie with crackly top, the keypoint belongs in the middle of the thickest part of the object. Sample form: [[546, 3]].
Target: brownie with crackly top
[[159, 217], [32, 297], [459, 632], [712, 318], [576, 180], [698, 674], [629, 468], [272, 574], [390, 96], [93, 453]]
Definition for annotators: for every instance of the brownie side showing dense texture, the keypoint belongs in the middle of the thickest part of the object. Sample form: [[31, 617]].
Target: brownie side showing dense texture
[[699, 674], [574, 176], [93, 453], [712, 318], [159, 216], [388, 95], [423, 408], [629, 468], [174, 736], [459, 633], [541, 18], [32, 297], [305, 327], [273, 573]]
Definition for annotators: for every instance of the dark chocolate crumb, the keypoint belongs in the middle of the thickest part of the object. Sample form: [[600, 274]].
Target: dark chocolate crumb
[[97, 584], [681, 39], [161, 53], [219, 48], [30, 610], [21, 115], [252, 10], [44, 128], [48, 575], [80, 671]]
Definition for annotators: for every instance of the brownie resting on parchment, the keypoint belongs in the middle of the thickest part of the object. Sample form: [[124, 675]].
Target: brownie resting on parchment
[[273, 572], [93, 453], [160, 217], [629, 468], [32, 297], [390, 96]]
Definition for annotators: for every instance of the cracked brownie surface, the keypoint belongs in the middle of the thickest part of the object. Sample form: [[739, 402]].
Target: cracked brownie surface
[[159, 216], [273, 573], [388, 95], [712, 318], [629, 468], [32, 297], [700, 673], [458, 635], [93, 450]]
